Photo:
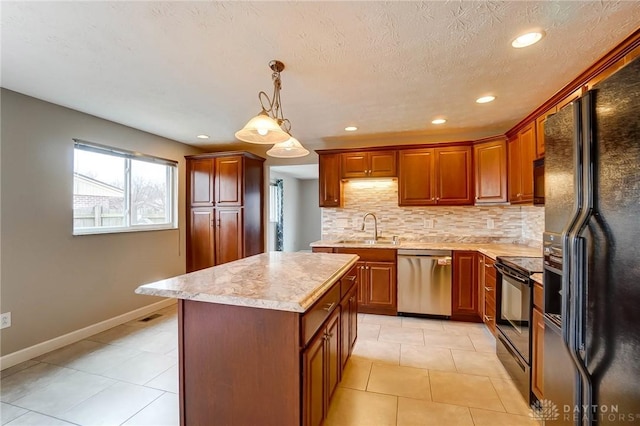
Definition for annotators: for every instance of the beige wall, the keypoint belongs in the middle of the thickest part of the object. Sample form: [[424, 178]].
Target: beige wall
[[52, 282]]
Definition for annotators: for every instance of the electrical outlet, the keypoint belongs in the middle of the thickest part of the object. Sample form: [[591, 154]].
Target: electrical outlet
[[428, 223], [5, 320], [490, 224]]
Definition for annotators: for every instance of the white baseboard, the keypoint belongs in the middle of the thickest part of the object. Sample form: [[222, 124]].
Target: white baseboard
[[26, 354]]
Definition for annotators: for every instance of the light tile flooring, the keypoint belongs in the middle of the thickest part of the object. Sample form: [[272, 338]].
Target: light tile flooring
[[404, 371]]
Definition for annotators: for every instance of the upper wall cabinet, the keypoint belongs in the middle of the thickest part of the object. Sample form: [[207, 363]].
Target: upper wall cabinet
[[540, 121], [490, 167], [435, 176], [369, 164], [329, 180], [522, 152]]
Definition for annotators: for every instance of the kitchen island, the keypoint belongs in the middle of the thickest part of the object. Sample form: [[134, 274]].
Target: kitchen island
[[263, 340]]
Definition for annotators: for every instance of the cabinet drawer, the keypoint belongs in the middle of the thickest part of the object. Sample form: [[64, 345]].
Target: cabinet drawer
[[489, 317], [348, 281], [489, 269], [370, 255], [538, 296], [313, 319]]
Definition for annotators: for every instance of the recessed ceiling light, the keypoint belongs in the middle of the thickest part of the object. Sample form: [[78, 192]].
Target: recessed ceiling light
[[439, 121], [527, 39], [203, 136], [485, 99], [351, 128]]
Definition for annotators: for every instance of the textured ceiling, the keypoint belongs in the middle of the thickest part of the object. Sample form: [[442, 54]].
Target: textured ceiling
[[179, 69]]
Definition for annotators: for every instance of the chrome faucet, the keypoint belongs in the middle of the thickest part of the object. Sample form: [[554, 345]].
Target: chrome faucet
[[375, 225]]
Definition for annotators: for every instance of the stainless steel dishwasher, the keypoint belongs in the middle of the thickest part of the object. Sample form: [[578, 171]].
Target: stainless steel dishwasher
[[424, 282]]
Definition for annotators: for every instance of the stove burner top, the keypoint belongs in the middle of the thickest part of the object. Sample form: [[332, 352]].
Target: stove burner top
[[526, 265]]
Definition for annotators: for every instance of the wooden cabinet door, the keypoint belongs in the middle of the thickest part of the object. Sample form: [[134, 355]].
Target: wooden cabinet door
[[416, 177], [490, 166], [515, 172], [329, 180], [355, 164], [353, 318], [201, 241], [382, 164], [229, 244], [200, 182], [537, 350], [527, 137], [345, 342], [453, 176], [332, 352], [382, 286], [363, 283], [464, 294], [229, 178], [313, 365], [540, 122]]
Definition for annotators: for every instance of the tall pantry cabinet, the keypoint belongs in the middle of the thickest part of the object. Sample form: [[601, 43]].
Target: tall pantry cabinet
[[225, 208]]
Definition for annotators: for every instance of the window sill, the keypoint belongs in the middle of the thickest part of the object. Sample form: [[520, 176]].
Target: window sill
[[99, 231]]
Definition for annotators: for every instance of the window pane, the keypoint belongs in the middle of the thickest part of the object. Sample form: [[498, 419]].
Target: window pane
[[150, 193], [98, 190]]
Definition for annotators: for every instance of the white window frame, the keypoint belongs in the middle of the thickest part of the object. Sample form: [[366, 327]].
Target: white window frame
[[172, 195]]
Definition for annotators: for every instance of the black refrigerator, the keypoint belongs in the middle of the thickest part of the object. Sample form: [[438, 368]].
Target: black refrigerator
[[592, 256]]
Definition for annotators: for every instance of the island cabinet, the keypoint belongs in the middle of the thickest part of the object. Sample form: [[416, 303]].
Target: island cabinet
[[369, 164], [487, 290], [464, 291], [376, 278], [490, 171], [263, 340], [435, 176], [329, 184], [522, 152], [224, 205], [537, 342]]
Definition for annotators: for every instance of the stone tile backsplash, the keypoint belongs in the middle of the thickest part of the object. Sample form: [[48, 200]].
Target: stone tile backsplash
[[502, 224]]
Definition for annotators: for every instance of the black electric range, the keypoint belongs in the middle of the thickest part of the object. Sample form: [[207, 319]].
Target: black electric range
[[514, 296]]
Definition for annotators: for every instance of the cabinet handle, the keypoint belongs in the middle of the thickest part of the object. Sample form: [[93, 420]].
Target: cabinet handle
[[488, 318], [488, 288], [437, 198], [518, 194], [488, 265], [476, 198], [351, 278], [433, 198], [329, 306], [335, 200], [218, 223]]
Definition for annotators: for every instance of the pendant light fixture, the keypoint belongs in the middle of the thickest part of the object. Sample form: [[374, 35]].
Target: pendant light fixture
[[270, 126], [288, 149]]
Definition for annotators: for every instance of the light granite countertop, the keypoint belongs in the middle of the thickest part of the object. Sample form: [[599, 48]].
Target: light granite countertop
[[492, 250], [276, 280], [537, 277]]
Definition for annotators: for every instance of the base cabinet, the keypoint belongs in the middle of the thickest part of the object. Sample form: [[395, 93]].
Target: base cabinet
[[487, 282], [537, 343], [464, 292], [289, 375], [321, 371], [377, 288]]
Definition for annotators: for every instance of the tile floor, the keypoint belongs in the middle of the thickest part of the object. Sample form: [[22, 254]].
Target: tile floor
[[404, 371]]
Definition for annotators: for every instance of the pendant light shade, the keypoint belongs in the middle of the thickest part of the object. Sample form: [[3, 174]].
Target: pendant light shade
[[288, 149], [262, 129]]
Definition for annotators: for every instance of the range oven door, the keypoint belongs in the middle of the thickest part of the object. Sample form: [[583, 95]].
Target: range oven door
[[517, 368], [513, 313]]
